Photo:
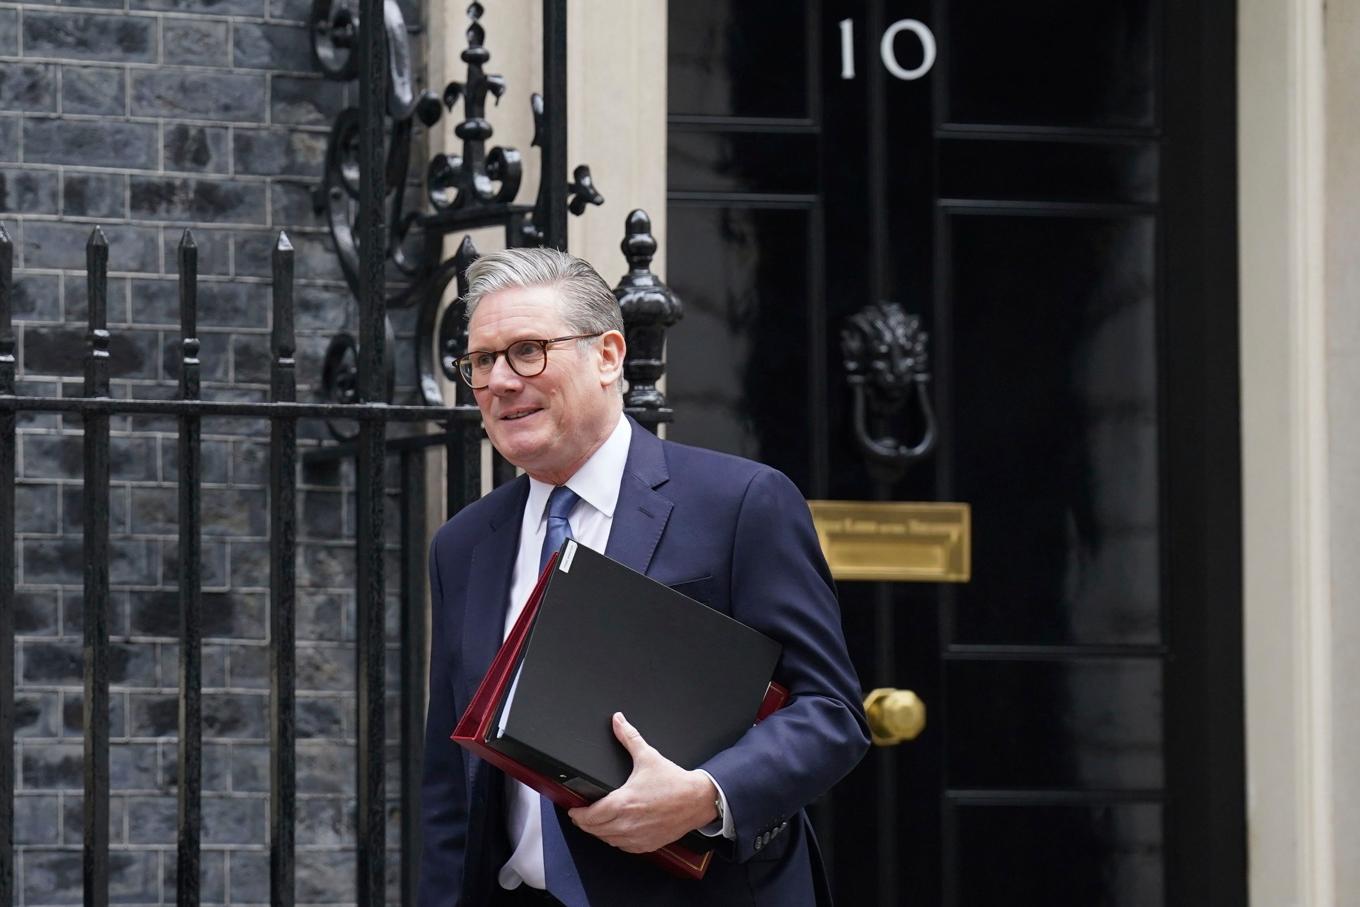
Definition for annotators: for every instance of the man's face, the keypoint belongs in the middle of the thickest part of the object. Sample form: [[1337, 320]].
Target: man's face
[[549, 424]]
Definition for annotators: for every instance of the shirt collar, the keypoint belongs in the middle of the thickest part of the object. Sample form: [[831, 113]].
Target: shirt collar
[[597, 481]]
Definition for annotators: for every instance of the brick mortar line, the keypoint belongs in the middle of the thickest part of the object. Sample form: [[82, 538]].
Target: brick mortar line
[[151, 119]]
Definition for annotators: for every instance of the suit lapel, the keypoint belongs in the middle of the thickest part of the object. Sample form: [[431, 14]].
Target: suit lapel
[[488, 597], [641, 512]]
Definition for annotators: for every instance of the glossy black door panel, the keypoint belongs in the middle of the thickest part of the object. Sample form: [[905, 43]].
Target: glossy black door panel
[[1058, 63], [1088, 724], [738, 375], [1050, 171], [1055, 415], [1102, 855], [747, 59], [729, 161]]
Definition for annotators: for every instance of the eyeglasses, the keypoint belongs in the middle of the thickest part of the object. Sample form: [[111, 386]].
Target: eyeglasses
[[527, 358]]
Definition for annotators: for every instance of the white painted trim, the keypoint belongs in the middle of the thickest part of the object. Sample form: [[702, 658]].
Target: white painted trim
[[1286, 526]]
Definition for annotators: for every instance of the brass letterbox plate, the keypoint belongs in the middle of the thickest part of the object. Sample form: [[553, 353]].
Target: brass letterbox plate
[[895, 541]]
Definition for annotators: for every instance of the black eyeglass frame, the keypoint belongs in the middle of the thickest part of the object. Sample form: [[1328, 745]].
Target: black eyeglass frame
[[464, 362]]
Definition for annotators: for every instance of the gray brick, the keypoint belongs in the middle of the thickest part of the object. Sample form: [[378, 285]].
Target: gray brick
[[249, 564], [37, 297], [82, 36], [28, 191], [280, 152], [60, 350], [192, 94], [212, 565], [9, 138], [234, 512], [325, 823], [130, 664], [62, 245], [52, 766], [36, 613], [221, 201], [73, 516], [62, 561], [250, 768], [101, 195], [216, 764], [52, 456], [325, 768], [54, 877], [248, 667], [196, 42], [37, 819], [291, 10], [234, 615], [212, 876], [249, 877], [325, 309], [28, 87], [91, 143], [273, 47], [205, 7], [325, 566], [36, 508], [37, 714], [325, 876], [199, 149], [325, 668], [323, 718], [152, 820], [250, 359], [94, 89], [9, 32], [318, 614], [305, 101], [73, 714], [290, 205], [234, 820], [250, 463]]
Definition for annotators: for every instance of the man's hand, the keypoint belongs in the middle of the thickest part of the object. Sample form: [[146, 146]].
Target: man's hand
[[659, 804]]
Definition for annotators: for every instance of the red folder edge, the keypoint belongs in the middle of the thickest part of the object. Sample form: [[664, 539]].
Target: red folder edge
[[472, 729]]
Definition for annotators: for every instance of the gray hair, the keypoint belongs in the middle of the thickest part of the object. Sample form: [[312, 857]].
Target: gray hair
[[588, 305]]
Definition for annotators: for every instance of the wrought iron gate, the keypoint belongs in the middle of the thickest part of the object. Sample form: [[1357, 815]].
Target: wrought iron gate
[[356, 390]]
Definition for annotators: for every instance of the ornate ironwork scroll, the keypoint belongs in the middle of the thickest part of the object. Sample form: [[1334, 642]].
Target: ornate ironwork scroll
[[887, 364], [474, 188]]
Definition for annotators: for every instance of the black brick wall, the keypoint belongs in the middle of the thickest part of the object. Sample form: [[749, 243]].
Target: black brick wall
[[147, 116]]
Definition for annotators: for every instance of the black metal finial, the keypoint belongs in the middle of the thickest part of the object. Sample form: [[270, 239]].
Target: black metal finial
[[650, 308], [283, 377], [97, 275], [7, 363], [187, 255]]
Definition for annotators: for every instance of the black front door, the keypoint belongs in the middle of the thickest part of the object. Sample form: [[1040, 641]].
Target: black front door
[[1050, 188]]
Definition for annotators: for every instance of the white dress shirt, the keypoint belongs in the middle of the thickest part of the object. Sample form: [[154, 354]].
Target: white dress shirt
[[597, 484]]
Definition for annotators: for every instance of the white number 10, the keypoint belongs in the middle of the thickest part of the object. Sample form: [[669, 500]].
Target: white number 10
[[887, 51]]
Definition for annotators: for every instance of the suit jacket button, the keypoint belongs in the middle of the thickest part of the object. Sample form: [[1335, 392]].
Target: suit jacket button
[[758, 844]]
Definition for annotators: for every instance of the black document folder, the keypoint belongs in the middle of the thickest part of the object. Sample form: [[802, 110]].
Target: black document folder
[[606, 639], [616, 641]]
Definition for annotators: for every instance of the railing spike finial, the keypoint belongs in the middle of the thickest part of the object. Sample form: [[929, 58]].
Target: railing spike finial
[[650, 308], [6, 312]]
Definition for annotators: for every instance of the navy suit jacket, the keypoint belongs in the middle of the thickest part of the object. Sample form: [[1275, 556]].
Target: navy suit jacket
[[726, 531]]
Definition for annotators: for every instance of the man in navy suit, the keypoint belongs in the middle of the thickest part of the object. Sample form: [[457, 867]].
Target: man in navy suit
[[547, 351]]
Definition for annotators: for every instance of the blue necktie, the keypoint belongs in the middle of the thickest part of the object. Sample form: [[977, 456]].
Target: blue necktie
[[560, 504], [559, 872]]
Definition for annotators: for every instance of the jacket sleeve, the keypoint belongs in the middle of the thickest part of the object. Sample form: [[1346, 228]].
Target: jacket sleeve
[[782, 587], [443, 792]]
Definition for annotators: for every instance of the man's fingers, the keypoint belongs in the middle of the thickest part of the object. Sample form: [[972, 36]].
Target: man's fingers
[[629, 736]]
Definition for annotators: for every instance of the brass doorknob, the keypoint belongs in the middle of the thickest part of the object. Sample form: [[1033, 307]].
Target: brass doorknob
[[894, 715]]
